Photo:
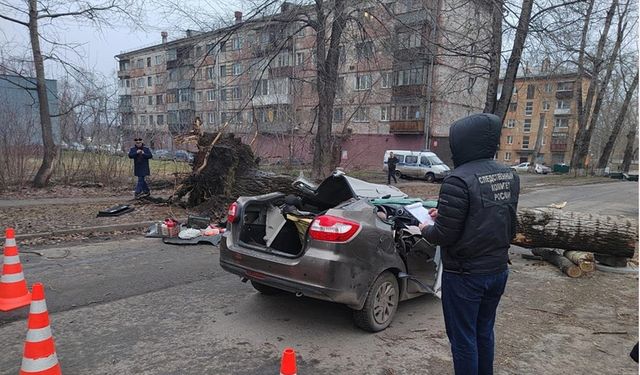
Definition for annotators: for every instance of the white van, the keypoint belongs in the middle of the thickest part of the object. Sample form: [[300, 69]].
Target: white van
[[418, 164]]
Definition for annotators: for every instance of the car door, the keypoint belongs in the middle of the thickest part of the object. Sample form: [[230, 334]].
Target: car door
[[424, 265], [412, 166]]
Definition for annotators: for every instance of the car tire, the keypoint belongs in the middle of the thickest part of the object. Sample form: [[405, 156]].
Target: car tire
[[398, 174], [381, 304], [430, 177], [265, 289]]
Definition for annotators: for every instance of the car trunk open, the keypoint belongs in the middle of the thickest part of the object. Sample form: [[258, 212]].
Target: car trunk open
[[278, 224]]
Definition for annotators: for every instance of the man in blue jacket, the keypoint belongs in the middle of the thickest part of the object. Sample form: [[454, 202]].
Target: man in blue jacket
[[140, 155], [474, 224]]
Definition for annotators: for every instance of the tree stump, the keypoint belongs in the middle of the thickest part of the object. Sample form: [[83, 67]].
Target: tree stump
[[550, 228]]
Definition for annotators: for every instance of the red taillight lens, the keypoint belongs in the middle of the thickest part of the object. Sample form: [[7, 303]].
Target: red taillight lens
[[333, 229], [232, 213]]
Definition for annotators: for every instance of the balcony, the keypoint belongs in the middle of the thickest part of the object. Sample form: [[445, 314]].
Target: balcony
[[125, 108], [282, 71], [412, 54], [189, 105], [407, 91], [122, 74], [558, 147], [406, 127], [563, 129], [273, 99], [564, 94], [562, 111]]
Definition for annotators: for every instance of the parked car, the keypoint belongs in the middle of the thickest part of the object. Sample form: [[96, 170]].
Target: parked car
[[335, 242], [522, 167], [161, 154], [418, 164], [183, 155], [75, 146], [542, 169]]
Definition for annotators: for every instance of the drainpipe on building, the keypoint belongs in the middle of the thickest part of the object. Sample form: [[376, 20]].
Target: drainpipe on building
[[427, 115]]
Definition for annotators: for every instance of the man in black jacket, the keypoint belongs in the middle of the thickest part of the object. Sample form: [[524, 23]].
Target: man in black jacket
[[392, 161], [474, 225]]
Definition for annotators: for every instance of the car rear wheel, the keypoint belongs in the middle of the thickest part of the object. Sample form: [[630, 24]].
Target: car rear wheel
[[430, 177], [265, 289], [398, 174], [381, 304]]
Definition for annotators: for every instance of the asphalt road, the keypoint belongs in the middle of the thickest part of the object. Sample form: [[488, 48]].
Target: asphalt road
[[142, 307], [613, 198]]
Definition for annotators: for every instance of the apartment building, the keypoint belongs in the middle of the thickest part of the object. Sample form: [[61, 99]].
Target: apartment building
[[542, 119], [257, 79]]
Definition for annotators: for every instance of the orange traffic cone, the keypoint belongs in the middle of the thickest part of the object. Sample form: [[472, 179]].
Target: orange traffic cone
[[288, 364], [13, 287], [39, 356]]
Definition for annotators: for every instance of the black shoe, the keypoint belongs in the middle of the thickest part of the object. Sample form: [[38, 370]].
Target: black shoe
[[145, 194]]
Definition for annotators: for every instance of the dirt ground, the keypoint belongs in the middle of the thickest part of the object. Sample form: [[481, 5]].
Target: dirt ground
[[547, 322]]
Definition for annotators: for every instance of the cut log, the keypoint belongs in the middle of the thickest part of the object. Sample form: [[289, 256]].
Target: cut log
[[582, 259], [549, 228], [564, 264]]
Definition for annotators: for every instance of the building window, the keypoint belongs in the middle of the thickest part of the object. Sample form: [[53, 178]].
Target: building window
[[410, 39], [262, 87], [561, 122], [545, 106], [148, 62], [364, 50], [140, 82], [408, 77], [198, 96], [511, 123], [185, 95], [361, 115], [531, 91], [548, 87], [236, 43], [127, 83], [159, 99], [563, 104], [407, 112], [542, 142], [527, 125], [281, 60], [223, 95], [211, 72], [159, 59], [149, 100], [363, 82], [528, 109], [299, 58], [337, 115], [211, 117], [149, 81], [384, 113], [139, 63], [525, 142], [513, 107], [143, 119], [385, 77], [211, 95], [507, 156], [223, 70], [565, 86], [237, 69], [509, 139], [236, 93], [160, 119]]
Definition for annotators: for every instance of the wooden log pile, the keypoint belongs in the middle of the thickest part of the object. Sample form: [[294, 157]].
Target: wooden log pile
[[574, 241]]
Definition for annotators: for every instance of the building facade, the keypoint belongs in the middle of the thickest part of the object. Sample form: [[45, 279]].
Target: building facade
[[20, 112], [396, 89], [541, 120]]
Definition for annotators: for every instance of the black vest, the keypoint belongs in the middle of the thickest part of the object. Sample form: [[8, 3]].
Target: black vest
[[491, 219]]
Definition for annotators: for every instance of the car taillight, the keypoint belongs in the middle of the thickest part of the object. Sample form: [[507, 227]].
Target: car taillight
[[232, 213], [333, 229]]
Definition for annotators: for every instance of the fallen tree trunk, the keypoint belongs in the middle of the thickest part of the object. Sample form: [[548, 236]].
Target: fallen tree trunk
[[564, 264], [550, 228], [582, 259], [224, 169]]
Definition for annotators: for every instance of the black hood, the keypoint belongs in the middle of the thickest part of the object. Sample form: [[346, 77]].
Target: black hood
[[474, 137]]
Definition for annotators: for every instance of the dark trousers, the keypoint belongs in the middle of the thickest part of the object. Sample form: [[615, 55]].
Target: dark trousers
[[391, 173], [469, 303], [141, 186]]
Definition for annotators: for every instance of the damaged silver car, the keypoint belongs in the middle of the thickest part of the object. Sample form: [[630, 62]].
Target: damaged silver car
[[345, 240]]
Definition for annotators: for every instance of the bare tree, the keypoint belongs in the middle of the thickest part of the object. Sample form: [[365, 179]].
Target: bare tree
[[617, 125], [30, 16]]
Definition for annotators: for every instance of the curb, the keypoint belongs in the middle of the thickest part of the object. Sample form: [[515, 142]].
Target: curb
[[101, 228]]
